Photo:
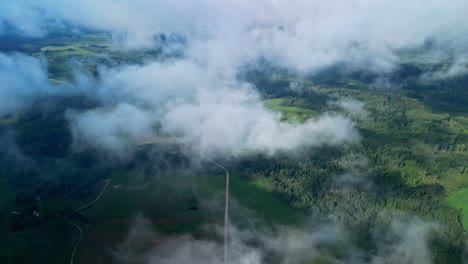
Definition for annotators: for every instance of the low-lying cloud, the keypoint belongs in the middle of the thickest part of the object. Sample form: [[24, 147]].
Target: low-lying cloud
[[231, 122], [352, 108], [405, 241], [23, 79], [113, 130], [217, 114], [302, 34], [198, 95]]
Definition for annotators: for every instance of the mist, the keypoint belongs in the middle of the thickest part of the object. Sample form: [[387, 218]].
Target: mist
[[219, 115], [23, 78], [199, 96], [303, 35], [406, 241]]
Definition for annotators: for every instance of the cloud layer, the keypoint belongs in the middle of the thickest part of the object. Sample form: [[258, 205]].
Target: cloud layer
[[22, 78], [198, 96], [219, 115], [302, 34], [405, 241]]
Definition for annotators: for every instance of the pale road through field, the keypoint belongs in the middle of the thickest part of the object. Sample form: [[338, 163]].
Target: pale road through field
[[226, 205], [77, 242], [107, 181]]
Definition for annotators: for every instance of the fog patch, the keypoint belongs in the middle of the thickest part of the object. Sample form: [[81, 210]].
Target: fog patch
[[152, 84], [113, 130], [303, 35], [216, 113], [404, 241], [17, 19], [354, 108], [145, 245], [23, 79], [457, 68]]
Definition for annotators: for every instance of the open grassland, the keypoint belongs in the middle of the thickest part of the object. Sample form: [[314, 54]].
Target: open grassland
[[11, 119], [60, 51], [69, 50], [86, 45], [289, 113], [7, 204], [258, 197], [48, 244], [175, 202], [459, 199]]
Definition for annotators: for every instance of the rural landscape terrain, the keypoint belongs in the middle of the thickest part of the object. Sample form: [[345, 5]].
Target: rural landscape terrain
[[120, 134]]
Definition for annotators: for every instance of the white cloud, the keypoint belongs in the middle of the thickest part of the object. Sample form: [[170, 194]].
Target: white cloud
[[231, 122], [22, 79], [353, 108], [302, 34], [403, 242], [410, 243], [111, 130], [22, 20], [217, 114]]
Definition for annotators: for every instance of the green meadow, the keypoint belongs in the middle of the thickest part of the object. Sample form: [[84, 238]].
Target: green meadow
[[175, 202], [7, 204], [69, 50], [459, 199], [289, 113]]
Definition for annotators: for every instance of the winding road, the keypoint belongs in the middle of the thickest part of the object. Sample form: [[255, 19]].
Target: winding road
[[226, 205], [79, 239], [107, 181], [138, 187]]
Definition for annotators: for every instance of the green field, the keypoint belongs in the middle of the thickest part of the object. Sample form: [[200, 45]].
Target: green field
[[289, 113], [69, 50], [459, 199], [50, 244], [175, 202], [6, 203], [10, 119]]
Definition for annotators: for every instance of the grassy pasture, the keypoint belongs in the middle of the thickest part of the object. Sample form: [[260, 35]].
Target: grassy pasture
[[6, 203], [459, 199], [289, 113], [13, 118], [69, 50], [59, 51], [176, 202]]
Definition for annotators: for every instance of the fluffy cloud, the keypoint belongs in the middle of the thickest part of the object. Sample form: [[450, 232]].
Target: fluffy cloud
[[111, 130], [152, 84], [199, 96], [233, 121], [410, 243], [406, 241], [21, 20], [302, 34], [208, 108], [353, 107], [218, 114], [22, 78]]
